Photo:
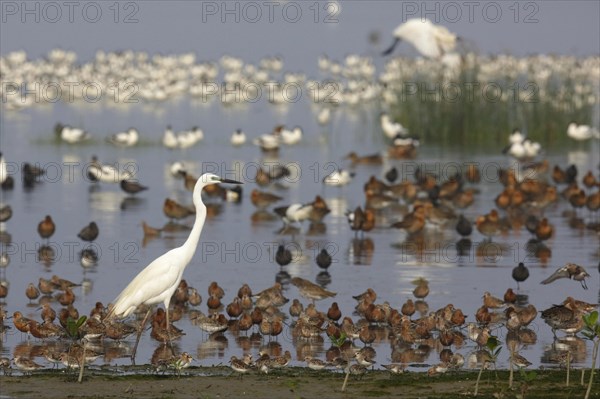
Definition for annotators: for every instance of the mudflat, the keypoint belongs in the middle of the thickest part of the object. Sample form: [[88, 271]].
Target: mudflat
[[294, 382]]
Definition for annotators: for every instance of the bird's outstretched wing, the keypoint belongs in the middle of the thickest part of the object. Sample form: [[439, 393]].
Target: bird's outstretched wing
[[560, 273]]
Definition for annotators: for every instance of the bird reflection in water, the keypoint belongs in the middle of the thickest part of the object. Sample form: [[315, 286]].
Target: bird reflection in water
[[556, 352], [361, 251], [46, 255], [214, 347], [538, 250], [130, 203]]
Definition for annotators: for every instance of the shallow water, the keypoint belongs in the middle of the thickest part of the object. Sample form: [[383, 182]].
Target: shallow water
[[234, 250]]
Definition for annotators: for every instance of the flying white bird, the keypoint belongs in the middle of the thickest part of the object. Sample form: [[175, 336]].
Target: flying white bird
[[432, 41]]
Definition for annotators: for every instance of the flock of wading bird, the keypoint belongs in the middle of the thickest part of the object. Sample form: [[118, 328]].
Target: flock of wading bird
[[412, 329]]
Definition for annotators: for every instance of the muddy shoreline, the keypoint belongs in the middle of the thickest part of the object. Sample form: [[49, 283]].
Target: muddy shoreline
[[295, 382]]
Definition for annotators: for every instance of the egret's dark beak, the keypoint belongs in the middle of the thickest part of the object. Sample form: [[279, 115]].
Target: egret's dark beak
[[392, 47], [231, 181]]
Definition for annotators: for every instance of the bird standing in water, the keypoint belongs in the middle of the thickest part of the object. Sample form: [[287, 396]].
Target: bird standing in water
[[159, 280]]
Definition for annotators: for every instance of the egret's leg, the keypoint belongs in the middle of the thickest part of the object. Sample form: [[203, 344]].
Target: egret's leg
[[139, 335], [169, 330]]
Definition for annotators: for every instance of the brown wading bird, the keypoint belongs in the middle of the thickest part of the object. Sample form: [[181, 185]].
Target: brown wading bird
[[520, 273], [310, 290], [570, 271], [174, 210], [132, 187], [374, 159], [46, 227], [413, 222], [89, 232]]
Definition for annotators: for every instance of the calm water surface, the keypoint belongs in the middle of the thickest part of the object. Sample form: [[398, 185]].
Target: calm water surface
[[234, 250]]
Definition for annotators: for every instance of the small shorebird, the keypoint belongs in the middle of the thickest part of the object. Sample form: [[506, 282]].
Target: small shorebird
[[570, 271], [310, 290], [239, 366], [519, 361], [262, 199], [46, 227], [89, 232], [566, 318], [413, 222], [32, 292], [173, 210], [315, 364], [26, 365], [283, 256], [464, 227], [132, 187], [323, 259], [490, 301], [520, 273], [394, 368], [374, 159]]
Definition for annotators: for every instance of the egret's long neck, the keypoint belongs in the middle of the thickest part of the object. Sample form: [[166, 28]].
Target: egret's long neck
[[191, 243]]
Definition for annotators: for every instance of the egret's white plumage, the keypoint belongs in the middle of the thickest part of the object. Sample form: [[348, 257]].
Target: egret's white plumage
[[432, 41], [159, 280]]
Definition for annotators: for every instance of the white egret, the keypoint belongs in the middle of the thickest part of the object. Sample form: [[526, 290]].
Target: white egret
[[159, 280], [432, 41]]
